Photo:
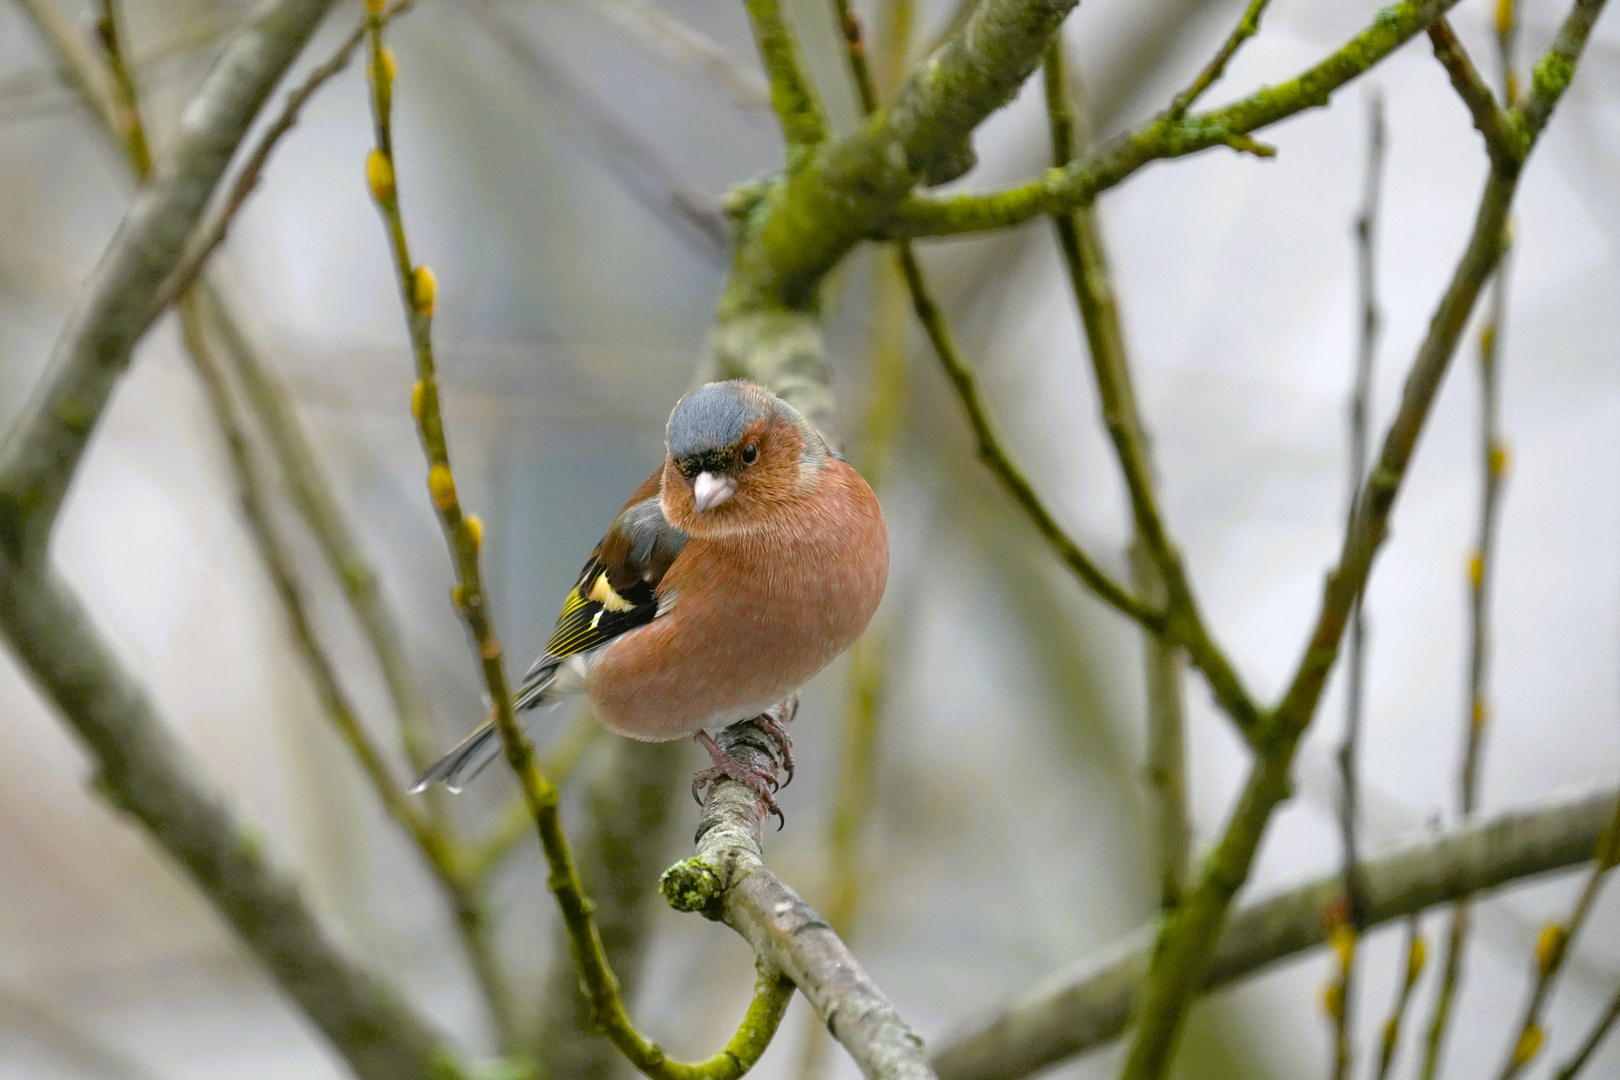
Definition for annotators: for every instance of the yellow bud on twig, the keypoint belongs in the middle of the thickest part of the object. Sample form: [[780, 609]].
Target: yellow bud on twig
[[1481, 712], [475, 530], [1513, 98], [1528, 1044], [442, 486], [384, 69], [1416, 957], [1333, 999], [1498, 459], [375, 6], [424, 290], [1550, 946], [1504, 17], [1487, 338], [380, 175], [490, 650], [1476, 569], [418, 393], [1343, 939]]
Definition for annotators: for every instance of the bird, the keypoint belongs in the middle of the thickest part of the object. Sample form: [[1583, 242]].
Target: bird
[[752, 557]]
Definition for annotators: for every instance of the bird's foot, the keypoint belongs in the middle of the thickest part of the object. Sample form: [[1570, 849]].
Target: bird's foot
[[773, 722], [756, 778]]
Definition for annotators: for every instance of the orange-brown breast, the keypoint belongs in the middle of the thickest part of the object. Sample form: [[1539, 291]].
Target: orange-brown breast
[[754, 616]]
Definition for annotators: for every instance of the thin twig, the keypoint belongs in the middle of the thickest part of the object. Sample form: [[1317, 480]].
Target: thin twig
[[1081, 242], [89, 77], [515, 823], [1246, 28], [1188, 941], [1416, 952], [211, 235], [1059, 190], [1552, 949], [133, 132], [1501, 142], [995, 457], [464, 535], [1092, 1002], [1341, 998], [1080, 239], [1494, 126], [1594, 1038], [275, 553]]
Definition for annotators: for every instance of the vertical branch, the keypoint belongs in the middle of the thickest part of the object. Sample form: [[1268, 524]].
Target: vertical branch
[[1493, 456], [1416, 954], [464, 534], [1080, 238], [793, 95], [1341, 995]]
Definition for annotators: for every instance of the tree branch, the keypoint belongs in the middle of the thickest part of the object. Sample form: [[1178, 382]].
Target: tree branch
[[728, 880], [1060, 190], [144, 771], [44, 446], [1081, 242], [800, 226], [1093, 1002]]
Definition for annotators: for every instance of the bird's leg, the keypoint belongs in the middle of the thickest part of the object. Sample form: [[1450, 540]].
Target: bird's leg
[[758, 779]]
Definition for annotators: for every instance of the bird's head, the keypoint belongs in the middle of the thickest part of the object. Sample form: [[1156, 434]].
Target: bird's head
[[736, 451]]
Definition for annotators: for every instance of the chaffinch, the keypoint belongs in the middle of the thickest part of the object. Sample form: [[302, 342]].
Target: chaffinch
[[749, 560]]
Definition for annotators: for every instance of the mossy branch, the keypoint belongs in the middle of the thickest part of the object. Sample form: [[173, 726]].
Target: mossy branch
[[1165, 136], [1093, 1002]]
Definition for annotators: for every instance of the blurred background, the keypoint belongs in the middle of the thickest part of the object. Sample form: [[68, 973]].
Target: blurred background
[[540, 146]]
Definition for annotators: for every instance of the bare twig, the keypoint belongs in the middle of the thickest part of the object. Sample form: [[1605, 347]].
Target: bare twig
[[1186, 947], [130, 128], [995, 457], [620, 838], [1060, 190], [464, 536], [1341, 998], [1552, 949], [89, 77], [43, 447], [1505, 156], [1594, 1038], [1246, 28], [1416, 952], [1080, 239], [1501, 141], [1093, 1002], [462, 896]]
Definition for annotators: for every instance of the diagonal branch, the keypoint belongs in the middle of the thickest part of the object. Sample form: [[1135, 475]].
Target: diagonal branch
[[1092, 1003], [44, 446], [144, 771]]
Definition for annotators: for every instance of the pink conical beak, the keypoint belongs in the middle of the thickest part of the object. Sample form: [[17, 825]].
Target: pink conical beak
[[711, 489]]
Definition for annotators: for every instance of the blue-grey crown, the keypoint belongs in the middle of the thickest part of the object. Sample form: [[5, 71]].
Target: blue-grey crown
[[713, 418]]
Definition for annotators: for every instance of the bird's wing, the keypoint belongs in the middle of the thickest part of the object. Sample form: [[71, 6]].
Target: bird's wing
[[617, 590]]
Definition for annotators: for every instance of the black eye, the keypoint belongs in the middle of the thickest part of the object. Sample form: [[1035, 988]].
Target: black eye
[[750, 454]]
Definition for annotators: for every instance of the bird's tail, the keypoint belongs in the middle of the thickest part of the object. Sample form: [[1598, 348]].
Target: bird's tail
[[457, 768]]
